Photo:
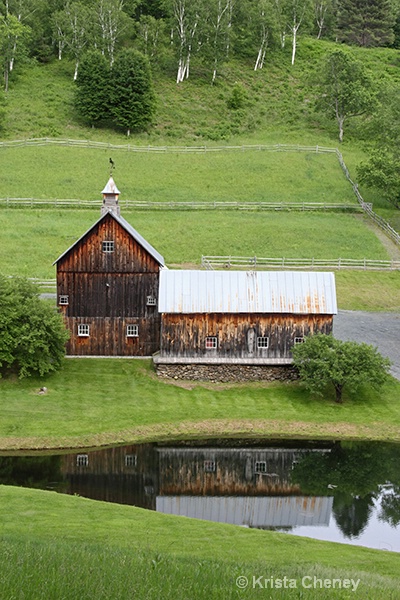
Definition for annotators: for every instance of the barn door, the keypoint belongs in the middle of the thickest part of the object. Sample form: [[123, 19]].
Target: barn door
[[251, 341]]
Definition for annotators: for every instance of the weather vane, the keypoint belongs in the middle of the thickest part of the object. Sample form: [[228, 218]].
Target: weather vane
[[112, 166]]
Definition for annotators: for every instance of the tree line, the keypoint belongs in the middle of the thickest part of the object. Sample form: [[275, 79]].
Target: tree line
[[212, 30]]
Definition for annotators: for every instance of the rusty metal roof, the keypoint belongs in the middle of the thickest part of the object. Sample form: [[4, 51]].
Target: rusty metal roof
[[247, 292]]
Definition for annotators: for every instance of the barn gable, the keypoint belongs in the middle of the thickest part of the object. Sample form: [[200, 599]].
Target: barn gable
[[128, 252]]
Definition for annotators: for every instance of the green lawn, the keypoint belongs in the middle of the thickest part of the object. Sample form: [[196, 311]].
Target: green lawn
[[56, 546], [93, 402], [250, 176], [30, 240]]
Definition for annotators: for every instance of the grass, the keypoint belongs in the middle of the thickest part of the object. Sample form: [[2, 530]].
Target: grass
[[97, 402], [248, 176], [35, 238], [115, 551]]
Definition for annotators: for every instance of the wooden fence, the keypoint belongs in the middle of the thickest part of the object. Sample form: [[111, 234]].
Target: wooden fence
[[181, 205], [367, 208], [310, 264]]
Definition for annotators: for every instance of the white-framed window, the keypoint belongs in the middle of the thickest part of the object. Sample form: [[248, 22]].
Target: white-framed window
[[63, 300], [83, 330], [108, 246], [211, 342], [260, 466], [82, 460], [132, 330], [130, 460], [151, 301], [262, 342], [298, 340], [209, 466]]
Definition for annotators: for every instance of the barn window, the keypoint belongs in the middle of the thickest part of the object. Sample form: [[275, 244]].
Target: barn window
[[83, 330], [262, 342], [108, 246], [130, 460], [260, 466], [63, 300], [151, 301], [82, 460], [211, 342], [132, 330], [298, 340], [209, 466]]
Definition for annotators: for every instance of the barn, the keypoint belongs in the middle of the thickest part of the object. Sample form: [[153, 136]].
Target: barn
[[215, 324], [107, 287]]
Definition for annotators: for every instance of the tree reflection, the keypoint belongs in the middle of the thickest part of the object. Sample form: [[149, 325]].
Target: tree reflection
[[355, 474]]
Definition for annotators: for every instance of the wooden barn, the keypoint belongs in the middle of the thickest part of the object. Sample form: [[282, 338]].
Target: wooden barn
[[107, 287], [237, 317]]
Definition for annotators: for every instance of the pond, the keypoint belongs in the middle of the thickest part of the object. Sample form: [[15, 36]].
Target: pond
[[343, 492]]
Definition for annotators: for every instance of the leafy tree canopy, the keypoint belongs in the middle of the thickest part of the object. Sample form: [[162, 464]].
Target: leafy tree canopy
[[324, 360], [32, 334], [93, 87], [345, 88]]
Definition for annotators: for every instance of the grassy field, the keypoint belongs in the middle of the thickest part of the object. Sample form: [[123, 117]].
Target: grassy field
[[245, 176], [97, 402], [116, 551]]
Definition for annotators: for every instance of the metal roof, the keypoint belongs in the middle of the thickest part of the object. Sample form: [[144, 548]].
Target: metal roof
[[111, 187], [252, 511], [135, 234], [247, 292]]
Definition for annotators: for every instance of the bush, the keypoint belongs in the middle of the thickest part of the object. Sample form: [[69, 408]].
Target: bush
[[32, 333]]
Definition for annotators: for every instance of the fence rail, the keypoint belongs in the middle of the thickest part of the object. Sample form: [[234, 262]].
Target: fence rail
[[164, 149], [255, 262], [180, 205], [367, 208]]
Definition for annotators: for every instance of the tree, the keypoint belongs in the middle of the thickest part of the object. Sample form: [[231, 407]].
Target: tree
[[111, 21], [297, 13], [73, 29], [382, 169], [32, 334], [185, 22], [92, 98], [132, 94], [323, 360], [11, 30], [366, 22], [345, 89]]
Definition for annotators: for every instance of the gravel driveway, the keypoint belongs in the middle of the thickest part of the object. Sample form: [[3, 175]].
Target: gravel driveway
[[379, 329]]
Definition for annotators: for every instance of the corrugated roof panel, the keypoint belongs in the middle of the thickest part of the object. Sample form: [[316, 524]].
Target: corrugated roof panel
[[253, 511], [247, 292]]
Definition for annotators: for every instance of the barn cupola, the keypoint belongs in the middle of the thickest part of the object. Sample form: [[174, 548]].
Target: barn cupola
[[110, 198]]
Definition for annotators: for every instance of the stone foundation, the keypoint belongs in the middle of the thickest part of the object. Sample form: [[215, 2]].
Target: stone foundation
[[227, 373]]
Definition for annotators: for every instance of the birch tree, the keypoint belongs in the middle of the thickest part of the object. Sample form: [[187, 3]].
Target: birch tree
[[11, 30], [297, 13], [186, 20], [73, 26], [345, 89], [218, 23], [150, 35], [263, 25], [322, 9], [112, 22], [280, 15]]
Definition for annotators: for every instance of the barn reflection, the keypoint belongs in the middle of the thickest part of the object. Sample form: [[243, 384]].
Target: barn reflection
[[241, 485]]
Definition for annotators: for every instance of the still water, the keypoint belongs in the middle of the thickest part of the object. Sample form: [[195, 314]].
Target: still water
[[343, 492]]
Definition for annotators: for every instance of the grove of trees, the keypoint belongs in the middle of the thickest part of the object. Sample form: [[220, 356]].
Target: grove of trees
[[211, 30]]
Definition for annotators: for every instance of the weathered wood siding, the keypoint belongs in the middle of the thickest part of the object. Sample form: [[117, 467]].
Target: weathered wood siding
[[185, 335], [108, 337], [188, 472], [108, 291], [128, 257], [109, 294]]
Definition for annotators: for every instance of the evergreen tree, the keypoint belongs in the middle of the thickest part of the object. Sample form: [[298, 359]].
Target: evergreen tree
[[92, 95], [366, 22], [132, 94]]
